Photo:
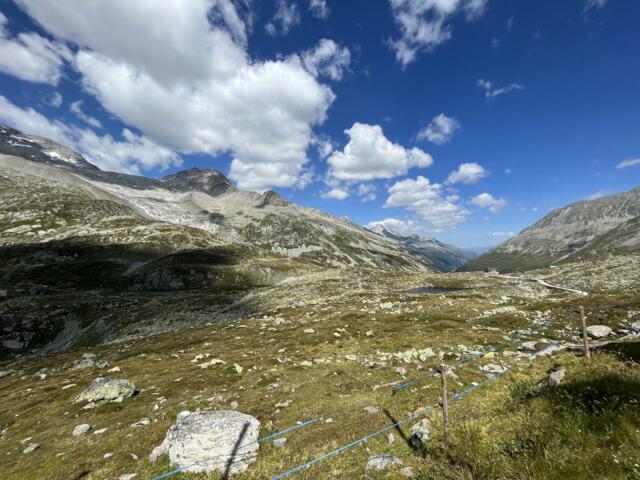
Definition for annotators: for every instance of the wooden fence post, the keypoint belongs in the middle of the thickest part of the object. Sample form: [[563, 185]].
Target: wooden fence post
[[585, 337], [444, 404]]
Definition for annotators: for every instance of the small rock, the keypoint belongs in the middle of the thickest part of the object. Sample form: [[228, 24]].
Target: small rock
[[371, 410], [107, 455], [420, 433], [401, 371], [556, 377], [114, 370], [529, 346], [391, 438], [234, 405], [81, 429], [635, 326], [279, 442], [31, 448], [143, 422], [309, 330], [408, 472], [4, 374], [381, 462], [370, 333], [493, 368], [101, 431], [238, 368], [598, 331], [128, 476]]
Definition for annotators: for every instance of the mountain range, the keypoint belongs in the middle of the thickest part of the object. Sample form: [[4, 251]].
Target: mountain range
[[580, 231]]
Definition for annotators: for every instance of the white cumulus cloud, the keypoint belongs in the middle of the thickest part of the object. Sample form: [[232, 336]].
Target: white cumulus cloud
[[467, 173], [440, 130], [427, 200], [425, 24], [31, 57], [486, 200], [327, 59], [369, 155], [396, 225], [337, 193], [180, 73]]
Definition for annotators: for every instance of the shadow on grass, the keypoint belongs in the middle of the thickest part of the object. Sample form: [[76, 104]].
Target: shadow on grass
[[626, 351], [95, 290]]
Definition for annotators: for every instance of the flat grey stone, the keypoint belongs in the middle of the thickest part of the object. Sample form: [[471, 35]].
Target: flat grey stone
[[81, 429], [280, 442], [382, 462], [598, 331], [31, 448]]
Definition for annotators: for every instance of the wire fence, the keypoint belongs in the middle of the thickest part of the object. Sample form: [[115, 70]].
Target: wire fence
[[395, 390]]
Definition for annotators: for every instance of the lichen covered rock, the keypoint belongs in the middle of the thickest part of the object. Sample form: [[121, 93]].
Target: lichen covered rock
[[104, 389], [209, 441]]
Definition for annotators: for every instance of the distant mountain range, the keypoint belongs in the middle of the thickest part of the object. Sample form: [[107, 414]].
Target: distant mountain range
[[442, 256], [583, 230]]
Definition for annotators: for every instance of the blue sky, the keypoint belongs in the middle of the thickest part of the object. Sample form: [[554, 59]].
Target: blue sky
[[538, 101]]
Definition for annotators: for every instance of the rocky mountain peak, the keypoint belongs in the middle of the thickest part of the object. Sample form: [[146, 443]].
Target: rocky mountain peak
[[208, 180], [272, 198]]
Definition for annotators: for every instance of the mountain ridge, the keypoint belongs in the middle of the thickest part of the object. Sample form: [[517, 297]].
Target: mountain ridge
[[443, 256], [206, 199], [583, 229]]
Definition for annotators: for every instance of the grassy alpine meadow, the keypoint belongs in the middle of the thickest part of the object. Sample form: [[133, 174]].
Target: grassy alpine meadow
[[332, 345]]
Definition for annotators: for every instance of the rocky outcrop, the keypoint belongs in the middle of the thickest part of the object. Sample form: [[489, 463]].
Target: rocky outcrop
[[223, 441]]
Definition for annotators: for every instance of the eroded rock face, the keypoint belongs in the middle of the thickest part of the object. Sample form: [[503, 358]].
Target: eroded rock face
[[209, 441], [598, 331], [104, 389]]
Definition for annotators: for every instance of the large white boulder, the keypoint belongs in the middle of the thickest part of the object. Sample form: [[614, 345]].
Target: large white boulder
[[209, 441], [598, 331]]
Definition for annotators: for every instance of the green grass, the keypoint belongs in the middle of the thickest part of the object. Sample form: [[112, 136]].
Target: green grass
[[506, 429]]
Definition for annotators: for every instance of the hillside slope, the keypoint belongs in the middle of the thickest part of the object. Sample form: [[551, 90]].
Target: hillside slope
[[604, 226]]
